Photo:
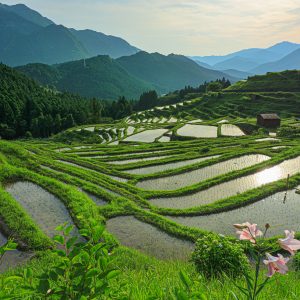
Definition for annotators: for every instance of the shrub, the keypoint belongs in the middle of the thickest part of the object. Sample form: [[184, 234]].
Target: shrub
[[296, 261], [215, 255]]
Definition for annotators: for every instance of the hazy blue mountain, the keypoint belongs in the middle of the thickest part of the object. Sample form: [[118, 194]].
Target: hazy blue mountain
[[49, 45], [237, 63], [101, 77], [284, 48], [289, 62], [27, 14], [240, 59], [28, 37], [202, 64], [168, 73], [237, 74]]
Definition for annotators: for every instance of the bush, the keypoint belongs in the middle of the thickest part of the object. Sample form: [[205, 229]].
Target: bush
[[296, 261], [215, 255]]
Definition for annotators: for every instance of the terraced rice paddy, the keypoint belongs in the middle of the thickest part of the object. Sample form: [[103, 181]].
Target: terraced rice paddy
[[147, 136], [233, 187], [130, 130], [189, 178], [274, 210], [168, 166], [231, 130], [268, 140], [44, 208], [164, 139], [152, 179], [150, 240], [84, 168], [198, 131], [96, 199], [129, 161]]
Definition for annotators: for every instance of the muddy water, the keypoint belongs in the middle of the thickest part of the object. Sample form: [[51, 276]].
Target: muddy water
[[148, 239], [270, 210], [233, 187], [44, 208], [12, 259], [169, 166], [189, 178], [96, 199]]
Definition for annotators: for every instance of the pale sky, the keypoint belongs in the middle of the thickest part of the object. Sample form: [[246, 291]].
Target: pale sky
[[189, 27]]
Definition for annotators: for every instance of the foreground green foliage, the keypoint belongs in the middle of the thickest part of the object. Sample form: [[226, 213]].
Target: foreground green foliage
[[216, 255]]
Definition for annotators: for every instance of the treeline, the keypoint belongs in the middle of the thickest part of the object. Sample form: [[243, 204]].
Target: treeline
[[26, 109], [29, 110], [150, 99]]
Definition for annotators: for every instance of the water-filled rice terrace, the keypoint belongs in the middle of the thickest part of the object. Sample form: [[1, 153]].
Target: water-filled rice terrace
[[154, 195]]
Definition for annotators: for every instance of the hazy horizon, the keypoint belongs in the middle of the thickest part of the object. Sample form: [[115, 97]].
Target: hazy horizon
[[209, 27]]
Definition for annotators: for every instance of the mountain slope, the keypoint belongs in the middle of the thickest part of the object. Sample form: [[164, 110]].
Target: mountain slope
[[256, 55], [237, 63], [289, 62], [27, 37], [100, 77], [287, 81], [168, 73], [98, 43], [27, 14], [237, 74], [52, 44]]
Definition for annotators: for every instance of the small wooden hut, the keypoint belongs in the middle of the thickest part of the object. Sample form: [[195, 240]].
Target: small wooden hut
[[268, 120]]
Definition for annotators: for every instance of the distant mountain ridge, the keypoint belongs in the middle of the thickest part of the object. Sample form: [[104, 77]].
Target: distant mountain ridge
[[28, 37], [289, 62], [128, 76], [99, 77], [255, 59], [168, 73]]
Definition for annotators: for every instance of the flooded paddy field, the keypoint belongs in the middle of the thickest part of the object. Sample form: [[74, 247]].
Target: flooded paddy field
[[147, 136], [130, 161], [232, 187], [44, 208], [99, 201], [168, 166], [274, 210], [191, 177], [148, 239], [88, 169], [198, 131], [14, 258], [231, 130]]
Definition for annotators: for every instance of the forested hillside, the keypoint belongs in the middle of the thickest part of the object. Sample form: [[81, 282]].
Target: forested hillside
[[283, 81], [129, 76], [100, 77], [28, 37], [26, 109], [168, 73]]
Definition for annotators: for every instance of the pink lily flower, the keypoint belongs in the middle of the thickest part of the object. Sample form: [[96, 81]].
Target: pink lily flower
[[289, 243], [248, 231], [276, 264]]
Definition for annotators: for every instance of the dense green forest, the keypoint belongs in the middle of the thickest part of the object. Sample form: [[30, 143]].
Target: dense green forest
[[107, 78], [26, 109], [100, 77]]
